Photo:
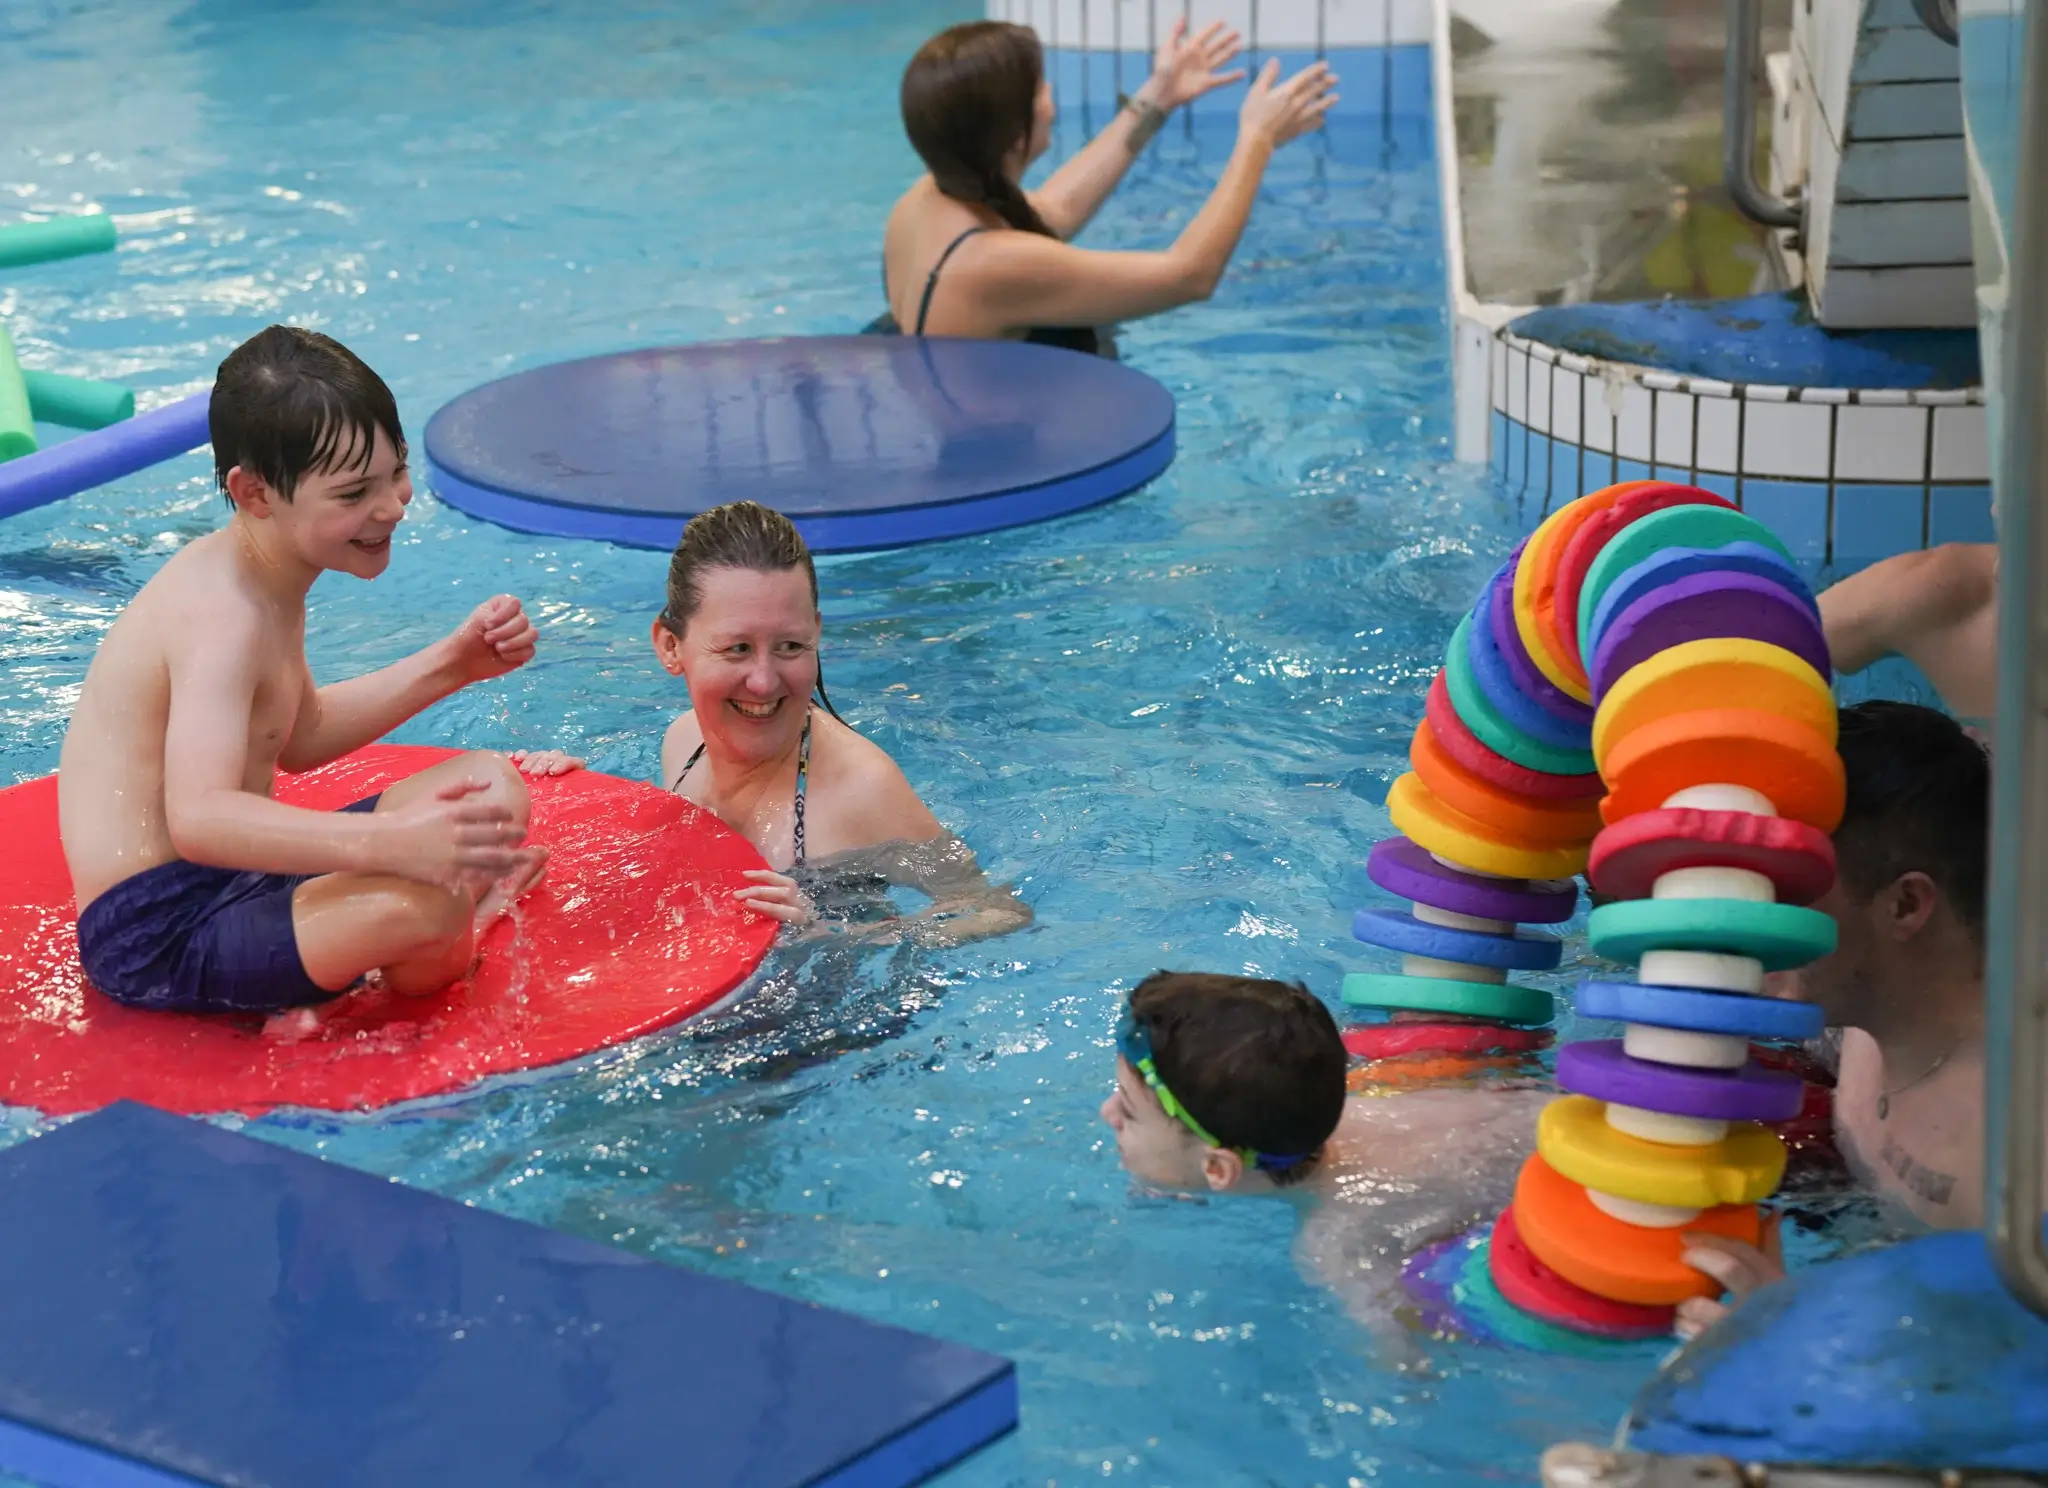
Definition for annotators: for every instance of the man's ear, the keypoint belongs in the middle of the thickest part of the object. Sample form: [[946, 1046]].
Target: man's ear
[[1908, 904], [1222, 1168], [668, 650], [249, 492]]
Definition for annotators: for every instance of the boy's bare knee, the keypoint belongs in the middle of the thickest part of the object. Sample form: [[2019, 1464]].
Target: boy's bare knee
[[418, 917], [502, 778]]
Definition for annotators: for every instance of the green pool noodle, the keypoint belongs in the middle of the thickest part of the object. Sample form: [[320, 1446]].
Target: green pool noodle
[[17, 424], [77, 402], [24, 243]]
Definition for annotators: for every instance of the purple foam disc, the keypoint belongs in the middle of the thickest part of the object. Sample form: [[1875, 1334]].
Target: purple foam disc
[[1400, 867], [1600, 1068], [1708, 606], [1499, 601]]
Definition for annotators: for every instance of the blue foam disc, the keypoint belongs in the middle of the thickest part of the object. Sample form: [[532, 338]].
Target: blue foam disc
[[1490, 671], [1672, 564], [1732, 1013], [1393, 930], [862, 441], [210, 1308]]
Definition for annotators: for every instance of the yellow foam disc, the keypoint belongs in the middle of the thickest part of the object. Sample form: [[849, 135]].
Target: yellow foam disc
[[1721, 672], [1742, 1168], [1537, 570], [1435, 827]]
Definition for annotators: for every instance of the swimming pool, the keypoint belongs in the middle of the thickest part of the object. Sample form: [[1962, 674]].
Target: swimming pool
[[1171, 720]]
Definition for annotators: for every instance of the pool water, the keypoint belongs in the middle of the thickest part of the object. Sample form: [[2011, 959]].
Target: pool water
[[1170, 721]]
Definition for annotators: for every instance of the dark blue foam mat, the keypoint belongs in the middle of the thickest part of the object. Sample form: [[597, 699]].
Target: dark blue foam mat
[[181, 1304], [1914, 1356], [863, 441], [1771, 339]]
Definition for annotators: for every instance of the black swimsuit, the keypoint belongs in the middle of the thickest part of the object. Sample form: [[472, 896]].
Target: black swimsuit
[[803, 769], [1087, 339]]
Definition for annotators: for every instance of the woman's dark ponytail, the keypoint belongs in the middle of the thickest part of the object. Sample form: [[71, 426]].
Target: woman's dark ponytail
[[969, 96]]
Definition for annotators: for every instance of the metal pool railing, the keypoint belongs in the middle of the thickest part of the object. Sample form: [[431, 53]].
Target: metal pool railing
[[1743, 69]]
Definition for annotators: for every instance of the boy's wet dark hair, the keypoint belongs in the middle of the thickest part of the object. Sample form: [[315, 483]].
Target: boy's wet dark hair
[[1259, 1063], [1919, 800], [289, 401]]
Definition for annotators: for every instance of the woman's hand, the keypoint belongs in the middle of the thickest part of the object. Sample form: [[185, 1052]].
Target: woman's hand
[[776, 896], [538, 762], [1279, 113], [1184, 70], [1741, 1269]]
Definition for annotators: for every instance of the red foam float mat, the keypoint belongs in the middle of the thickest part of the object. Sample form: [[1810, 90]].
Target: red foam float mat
[[1394, 1040], [1541, 1292], [633, 928], [1631, 855], [1464, 747]]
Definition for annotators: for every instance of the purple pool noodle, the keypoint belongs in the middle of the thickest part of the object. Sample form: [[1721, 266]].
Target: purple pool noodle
[[105, 455], [1601, 1069], [1704, 606]]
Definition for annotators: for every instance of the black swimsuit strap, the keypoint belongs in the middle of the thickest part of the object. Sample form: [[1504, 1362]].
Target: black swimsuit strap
[[803, 771], [924, 305]]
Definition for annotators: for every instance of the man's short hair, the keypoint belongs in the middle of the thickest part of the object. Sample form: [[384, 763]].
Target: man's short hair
[[1919, 801], [1259, 1063]]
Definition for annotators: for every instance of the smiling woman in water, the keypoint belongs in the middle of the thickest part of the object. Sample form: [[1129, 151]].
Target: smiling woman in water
[[762, 749]]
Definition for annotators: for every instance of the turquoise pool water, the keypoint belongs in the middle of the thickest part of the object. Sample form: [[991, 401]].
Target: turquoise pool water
[[1172, 721]]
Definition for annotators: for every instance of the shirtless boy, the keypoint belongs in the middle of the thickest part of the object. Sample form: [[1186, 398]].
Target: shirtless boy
[[197, 891], [1237, 1085]]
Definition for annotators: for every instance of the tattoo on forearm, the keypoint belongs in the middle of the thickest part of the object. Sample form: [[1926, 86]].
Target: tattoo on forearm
[[1931, 1185]]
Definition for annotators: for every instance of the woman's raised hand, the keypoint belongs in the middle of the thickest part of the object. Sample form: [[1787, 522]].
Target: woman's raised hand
[[1185, 69], [1278, 112]]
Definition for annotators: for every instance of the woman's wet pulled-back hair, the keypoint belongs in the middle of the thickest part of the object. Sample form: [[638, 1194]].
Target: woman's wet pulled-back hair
[[968, 97], [743, 535]]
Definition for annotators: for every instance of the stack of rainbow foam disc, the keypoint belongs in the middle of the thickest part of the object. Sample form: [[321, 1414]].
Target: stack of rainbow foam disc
[[1674, 634]]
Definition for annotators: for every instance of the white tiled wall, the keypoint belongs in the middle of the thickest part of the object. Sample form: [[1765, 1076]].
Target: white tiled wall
[[1790, 440], [1854, 454], [1103, 25]]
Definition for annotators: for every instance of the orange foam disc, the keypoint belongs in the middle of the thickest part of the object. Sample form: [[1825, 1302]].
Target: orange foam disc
[[1552, 823], [1416, 1070], [1435, 827], [1721, 672], [1609, 1257], [1788, 761]]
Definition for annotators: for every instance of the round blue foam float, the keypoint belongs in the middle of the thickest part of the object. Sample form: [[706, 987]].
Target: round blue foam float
[[862, 441]]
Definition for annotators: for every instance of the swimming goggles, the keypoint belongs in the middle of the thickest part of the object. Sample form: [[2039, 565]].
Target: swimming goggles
[[1134, 1042]]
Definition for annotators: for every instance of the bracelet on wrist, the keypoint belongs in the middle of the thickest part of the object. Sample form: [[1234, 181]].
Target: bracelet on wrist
[[1150, 118]]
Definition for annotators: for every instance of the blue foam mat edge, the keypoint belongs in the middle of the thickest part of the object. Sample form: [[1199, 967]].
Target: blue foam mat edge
[[847, 533], [109, 1219]]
